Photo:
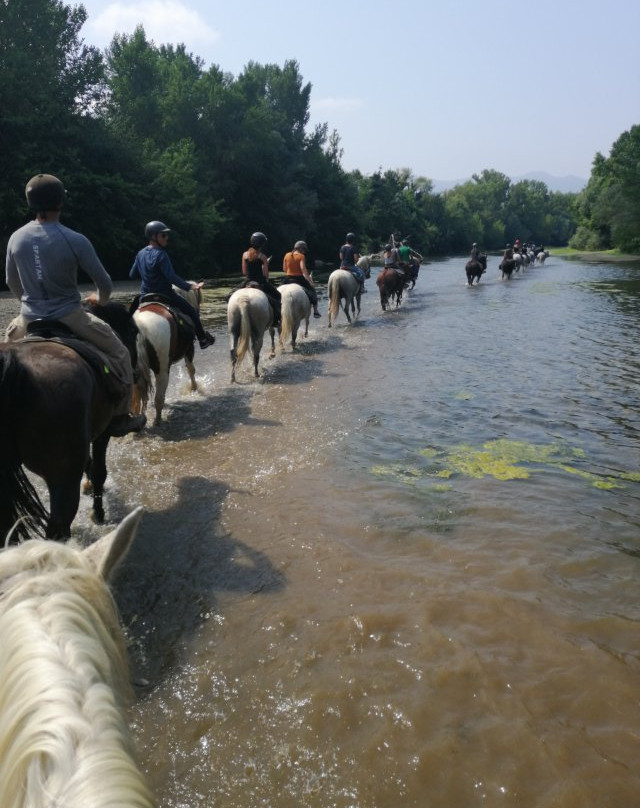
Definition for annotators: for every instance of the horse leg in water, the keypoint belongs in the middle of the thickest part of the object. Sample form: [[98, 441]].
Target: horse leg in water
[[64, 501], [346, 303], [97, 473]]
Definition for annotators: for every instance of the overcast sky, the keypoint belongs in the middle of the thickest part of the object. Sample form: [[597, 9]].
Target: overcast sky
[[445, 88]]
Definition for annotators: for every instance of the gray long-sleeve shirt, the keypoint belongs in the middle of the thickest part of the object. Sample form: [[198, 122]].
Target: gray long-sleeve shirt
[[42, 269]]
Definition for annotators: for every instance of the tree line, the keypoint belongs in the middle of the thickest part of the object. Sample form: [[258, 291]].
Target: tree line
[[140, 132]]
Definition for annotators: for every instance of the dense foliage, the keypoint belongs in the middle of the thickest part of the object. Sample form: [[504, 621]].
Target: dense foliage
[[609, 207], [141, 132]]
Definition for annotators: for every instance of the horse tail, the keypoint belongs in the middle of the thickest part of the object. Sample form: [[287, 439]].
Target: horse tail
[[142, 379], [244, 335], [334, 298], [19, 500], [287, 319]]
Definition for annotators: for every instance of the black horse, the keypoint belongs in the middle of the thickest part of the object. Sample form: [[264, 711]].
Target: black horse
[[475, 269], [507, 265], [55, 409]]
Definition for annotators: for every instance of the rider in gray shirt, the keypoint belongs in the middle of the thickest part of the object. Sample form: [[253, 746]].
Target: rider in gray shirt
[[43, 258]]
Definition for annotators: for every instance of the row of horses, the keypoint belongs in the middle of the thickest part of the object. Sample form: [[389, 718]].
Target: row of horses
[[476, 267], [64, 683]]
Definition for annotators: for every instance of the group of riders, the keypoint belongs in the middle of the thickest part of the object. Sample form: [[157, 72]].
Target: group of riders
[[518, 247], [43, 258], [403, 259]]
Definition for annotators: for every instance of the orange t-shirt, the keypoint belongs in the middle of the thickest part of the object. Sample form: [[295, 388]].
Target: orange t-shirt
[[292, 263]]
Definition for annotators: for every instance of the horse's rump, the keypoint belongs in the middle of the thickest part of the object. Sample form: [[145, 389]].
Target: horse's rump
[[249, 314], [296, 307]]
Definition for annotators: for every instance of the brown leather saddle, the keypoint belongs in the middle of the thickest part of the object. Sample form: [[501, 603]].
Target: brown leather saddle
[[183, 332]]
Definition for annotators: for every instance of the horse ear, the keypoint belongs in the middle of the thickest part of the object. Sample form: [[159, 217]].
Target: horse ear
[[106, 553]]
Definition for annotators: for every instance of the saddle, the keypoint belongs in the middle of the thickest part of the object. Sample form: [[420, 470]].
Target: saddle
[[55, 331], [183, 322]]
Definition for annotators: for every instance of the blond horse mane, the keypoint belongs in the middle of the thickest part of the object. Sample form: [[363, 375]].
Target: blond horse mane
[[64, 740]]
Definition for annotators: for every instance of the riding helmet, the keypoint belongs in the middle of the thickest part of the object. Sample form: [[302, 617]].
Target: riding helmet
[[155, 227], [300, 246], [44, 192], [258, 240], [351, 237]]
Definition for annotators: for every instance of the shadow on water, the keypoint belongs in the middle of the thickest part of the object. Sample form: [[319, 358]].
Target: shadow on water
[[167, 587], [204, 417]]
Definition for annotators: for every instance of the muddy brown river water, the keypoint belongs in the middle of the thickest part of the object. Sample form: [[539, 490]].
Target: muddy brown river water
[[400, 569]]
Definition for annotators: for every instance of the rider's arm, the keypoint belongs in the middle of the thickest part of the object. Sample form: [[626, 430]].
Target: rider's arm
[[11, 275], [90, 263], [168, 271], [305, 271]]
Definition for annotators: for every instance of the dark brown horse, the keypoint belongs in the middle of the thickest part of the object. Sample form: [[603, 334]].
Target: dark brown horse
[[54, 414], [391, 284], [475, 269], [507, 265]]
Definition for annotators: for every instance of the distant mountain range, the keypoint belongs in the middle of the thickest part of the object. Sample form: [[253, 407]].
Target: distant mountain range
[[567, 184]]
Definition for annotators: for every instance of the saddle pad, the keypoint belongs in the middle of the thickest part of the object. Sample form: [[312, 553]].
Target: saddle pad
[[51, 331]]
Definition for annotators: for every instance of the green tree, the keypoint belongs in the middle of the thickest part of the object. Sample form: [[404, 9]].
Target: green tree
[[51, 84]]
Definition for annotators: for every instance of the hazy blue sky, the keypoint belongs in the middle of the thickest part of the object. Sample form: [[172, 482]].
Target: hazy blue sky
[[445, 88]]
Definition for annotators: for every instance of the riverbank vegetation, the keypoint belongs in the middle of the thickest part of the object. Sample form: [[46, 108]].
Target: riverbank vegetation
[[140, 132]]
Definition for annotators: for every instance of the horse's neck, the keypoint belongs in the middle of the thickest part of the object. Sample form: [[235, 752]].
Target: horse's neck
[[192, 296]]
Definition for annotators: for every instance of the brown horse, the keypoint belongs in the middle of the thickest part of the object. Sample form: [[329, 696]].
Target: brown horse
[[507, 266], [391, 285], [54, 412], [475, 268]]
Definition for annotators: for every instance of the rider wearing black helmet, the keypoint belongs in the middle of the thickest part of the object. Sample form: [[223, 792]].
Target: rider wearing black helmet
[[255, 268], [295, 269], [43, 258], [154, 267]]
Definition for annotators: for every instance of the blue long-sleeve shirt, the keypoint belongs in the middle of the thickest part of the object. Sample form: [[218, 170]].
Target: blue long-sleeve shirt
[[154, 267]]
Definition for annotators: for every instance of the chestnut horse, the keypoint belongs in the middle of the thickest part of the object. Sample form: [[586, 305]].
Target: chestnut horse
[[391, 284], [64, 681], [55, 410]]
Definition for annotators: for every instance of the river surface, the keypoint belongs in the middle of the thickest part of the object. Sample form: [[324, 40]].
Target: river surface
[[402, 568]]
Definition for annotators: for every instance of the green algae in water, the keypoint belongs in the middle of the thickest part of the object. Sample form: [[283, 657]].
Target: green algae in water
[[501, 459]]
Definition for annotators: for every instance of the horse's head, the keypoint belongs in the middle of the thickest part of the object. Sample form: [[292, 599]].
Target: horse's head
[[364, 263]]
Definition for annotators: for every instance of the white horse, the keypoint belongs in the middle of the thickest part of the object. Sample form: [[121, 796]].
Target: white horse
[[161, 344], [249, 315], [517, 257], [542, 256], [343, 287], [64, 682], [296, 307]]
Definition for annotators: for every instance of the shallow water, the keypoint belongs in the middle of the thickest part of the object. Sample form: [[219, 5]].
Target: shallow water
[[401, 568]]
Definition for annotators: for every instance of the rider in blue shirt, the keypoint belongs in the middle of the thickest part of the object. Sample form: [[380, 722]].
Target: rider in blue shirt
[[154, 267], [349, 257]]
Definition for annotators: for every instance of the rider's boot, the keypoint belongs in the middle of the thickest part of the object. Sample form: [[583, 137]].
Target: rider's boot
[[207, 340]]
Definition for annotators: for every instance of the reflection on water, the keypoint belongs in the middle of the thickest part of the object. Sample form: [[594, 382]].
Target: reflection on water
[[401, 568]]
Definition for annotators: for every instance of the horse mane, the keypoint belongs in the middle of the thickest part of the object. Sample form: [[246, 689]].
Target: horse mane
[[64, 684]]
